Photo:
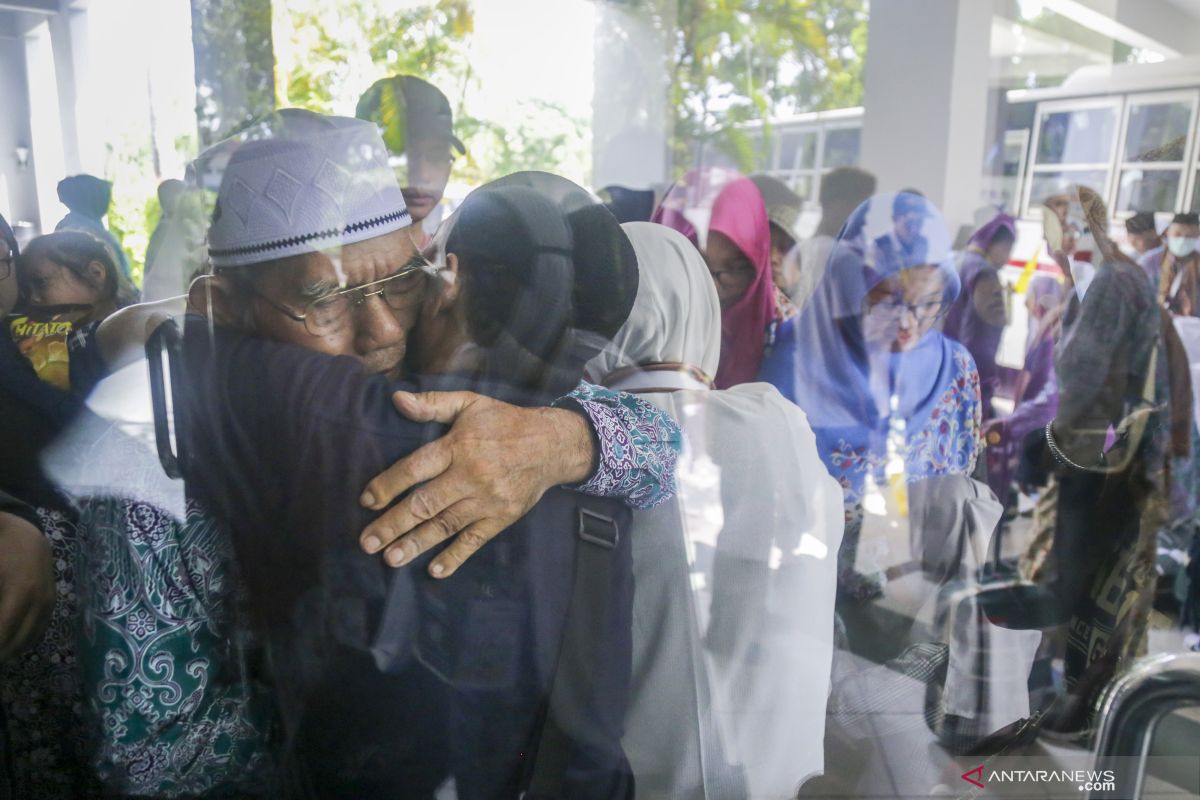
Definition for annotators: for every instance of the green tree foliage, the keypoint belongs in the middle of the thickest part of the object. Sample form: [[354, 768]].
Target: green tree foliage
[[731, 62], [331, 52], [235, 64], [736, 61]]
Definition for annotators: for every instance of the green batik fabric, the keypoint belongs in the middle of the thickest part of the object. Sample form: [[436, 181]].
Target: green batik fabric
[[170, 692]]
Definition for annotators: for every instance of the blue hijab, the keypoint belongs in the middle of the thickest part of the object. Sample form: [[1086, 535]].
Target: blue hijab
[[854, 392]]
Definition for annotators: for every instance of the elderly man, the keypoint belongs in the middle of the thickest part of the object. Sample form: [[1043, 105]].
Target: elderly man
[[316, 289]]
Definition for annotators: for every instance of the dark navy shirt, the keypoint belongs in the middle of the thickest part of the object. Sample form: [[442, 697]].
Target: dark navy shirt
[[387, 680]]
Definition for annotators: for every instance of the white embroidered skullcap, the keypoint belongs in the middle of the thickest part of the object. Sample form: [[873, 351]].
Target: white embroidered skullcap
[[303, 182]]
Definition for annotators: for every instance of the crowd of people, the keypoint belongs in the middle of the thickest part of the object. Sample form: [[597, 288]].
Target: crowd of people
[[555, 497]]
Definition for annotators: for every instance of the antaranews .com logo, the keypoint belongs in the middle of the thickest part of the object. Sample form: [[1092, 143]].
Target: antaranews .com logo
[[1087, 780], [1072, 776]]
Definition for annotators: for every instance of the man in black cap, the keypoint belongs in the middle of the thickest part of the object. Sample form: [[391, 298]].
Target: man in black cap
[[783, 210], [418, 128], [1142, 233], [1174, 266]]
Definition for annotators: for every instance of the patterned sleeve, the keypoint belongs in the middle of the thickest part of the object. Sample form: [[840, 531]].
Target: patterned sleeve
[[637, 444]]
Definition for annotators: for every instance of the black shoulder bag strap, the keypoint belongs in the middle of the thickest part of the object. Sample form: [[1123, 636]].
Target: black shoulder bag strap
[[167, 339], [587, 613]]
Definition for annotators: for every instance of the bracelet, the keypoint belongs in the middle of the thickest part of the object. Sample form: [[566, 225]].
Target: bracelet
[[1058, 454]]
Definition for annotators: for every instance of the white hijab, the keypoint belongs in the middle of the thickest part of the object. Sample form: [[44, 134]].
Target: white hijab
[[736, 578], [676, 317]]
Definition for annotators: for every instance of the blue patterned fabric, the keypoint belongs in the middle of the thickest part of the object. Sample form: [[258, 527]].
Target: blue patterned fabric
[[639, 446], [949, 443]]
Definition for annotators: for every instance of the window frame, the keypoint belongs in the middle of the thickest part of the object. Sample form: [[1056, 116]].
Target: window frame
[[1183, 167], [1045, 109]]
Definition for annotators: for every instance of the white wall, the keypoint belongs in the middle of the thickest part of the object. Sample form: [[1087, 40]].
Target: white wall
[[926, 100]]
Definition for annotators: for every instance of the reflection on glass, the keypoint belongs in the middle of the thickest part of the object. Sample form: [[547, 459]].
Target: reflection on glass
[[802, 185], [842, 147], [1045, 184], [1148, 190], [1157, 132], [798, 150], [1077, 137]]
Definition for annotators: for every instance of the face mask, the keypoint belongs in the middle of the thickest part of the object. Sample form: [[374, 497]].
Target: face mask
[[1181, 246]]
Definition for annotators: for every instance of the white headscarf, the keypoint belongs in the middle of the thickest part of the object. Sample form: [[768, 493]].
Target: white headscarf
[[736, 578], [676, 317]]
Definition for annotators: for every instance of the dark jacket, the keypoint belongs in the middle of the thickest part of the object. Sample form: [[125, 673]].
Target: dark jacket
[[388, 681]]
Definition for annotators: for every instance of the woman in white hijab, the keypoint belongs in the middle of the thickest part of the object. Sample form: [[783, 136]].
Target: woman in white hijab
[[733, 610]]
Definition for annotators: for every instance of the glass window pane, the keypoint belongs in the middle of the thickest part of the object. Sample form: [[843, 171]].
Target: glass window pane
[[1077, 137], [1148, 190], [802, 185], [1048, 184], [841, 147], [808, 153], [1157, 132], [1195, 194], [1012, 158], [798, 143]]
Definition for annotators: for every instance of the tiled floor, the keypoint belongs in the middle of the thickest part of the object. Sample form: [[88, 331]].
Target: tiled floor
[[892, 753]]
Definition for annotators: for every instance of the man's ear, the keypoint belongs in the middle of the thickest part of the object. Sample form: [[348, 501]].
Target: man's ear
[[447, 287], [220, 299]]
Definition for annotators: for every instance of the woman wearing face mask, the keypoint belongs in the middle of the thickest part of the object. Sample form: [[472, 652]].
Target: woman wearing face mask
[[980, 313], [1174, 267], [890, 398]]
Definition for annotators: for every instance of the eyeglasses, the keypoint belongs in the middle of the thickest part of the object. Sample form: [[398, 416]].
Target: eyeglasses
[[6, 265], [894, 309], [732, 278], [329, 313]]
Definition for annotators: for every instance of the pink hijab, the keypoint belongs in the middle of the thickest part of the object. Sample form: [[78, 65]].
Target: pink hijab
[[740, 214]]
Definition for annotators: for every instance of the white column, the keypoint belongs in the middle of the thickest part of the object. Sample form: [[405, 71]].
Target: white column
[[925, 95], [45, 124], [630, 118], [18, 193], [65, 70]]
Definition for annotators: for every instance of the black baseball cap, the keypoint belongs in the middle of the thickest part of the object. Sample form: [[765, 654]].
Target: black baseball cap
[[407, 107], [1141, 222]]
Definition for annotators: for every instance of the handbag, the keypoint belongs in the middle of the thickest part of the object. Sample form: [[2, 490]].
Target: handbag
[[1129, 435]]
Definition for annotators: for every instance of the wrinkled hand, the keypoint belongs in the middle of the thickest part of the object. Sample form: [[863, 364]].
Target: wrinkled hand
[[26, 585], [493, 465]]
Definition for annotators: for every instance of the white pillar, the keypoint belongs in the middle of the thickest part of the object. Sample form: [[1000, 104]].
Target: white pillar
[[45, 124], [18, 192], [925, 95], [65, 70], [631, 119]]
